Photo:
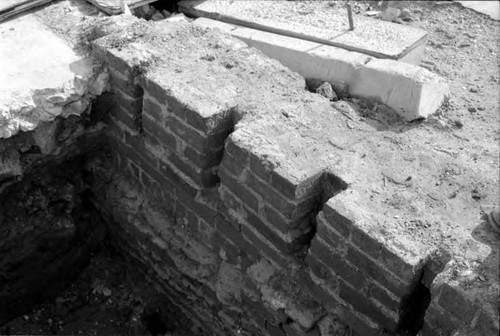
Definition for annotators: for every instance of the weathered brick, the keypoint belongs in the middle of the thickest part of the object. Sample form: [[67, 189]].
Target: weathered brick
[[203, 160], [440, 320], [238, 189], [384, 297], [363, 305], [232, 165], [361, 324], [372, 269], [335, 262], [278, 221], [211, 124], [137, 142], [288, 209], [294, 189], [261, 167], [338, 222], [187, 133], [364, 241], [239, 154], [399, 266], [152, 110], [265, 248], [165, 138], [455, 302], [125, 84], [126, 118], [271, 234], [200, 177], [156, 91], [184, 189], [332, 238], [319, 269]]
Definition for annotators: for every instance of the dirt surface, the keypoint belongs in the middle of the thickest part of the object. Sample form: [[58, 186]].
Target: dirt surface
[[109, 297]]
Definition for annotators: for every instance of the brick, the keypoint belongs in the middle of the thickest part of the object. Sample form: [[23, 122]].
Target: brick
[[288, 209], [126, 118], [202, 178], [227, 230], [162, 136], [319, 269], [365, 242], [294, 189], [264, 247], [395, 263], [272, 235], [238, 189], [338, 222], [261, 167], [125, 84], [213, 123], [241, 155], [445, 323], [384, 297], [203, 160], [184, 190], [137, 142], [153, 110], [156, 91], [372, 269], [364, 306], [332, 238], [362, 325], [187, 133], [454, 301], [232, 165], [279, 222], [335, 262]]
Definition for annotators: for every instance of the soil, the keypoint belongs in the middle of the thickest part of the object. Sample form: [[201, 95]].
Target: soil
[[110, 296]]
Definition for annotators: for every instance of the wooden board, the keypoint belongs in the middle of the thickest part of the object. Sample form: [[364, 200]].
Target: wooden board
[[112, 7], [10, 8], [313, 21]]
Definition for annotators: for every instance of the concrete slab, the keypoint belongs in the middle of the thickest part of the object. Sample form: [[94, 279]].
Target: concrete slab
[[411, 91], [41, 76], [317, 22]]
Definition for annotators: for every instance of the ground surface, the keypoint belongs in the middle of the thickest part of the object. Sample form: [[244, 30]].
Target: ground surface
[[459, 147]]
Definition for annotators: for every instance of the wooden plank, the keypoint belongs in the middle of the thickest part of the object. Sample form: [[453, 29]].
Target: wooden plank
[[19, 6], [313, 21], [112, 7]]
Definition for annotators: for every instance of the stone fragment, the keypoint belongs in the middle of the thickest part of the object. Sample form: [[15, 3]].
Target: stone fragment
[[326, 91]]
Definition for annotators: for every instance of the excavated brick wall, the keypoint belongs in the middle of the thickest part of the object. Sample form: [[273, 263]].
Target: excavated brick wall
[[242, 245]]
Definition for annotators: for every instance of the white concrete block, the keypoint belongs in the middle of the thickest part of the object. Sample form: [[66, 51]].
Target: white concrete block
[[309, 59], [412, 91]]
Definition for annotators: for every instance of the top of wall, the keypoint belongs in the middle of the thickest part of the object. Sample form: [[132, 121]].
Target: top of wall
[[318, 22]]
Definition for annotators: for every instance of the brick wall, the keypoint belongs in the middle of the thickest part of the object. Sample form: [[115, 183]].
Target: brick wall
[[242, 245]]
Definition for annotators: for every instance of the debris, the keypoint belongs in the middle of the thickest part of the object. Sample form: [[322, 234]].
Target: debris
[[372, 13], [326, 91], [390, 14], [472, 109]]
